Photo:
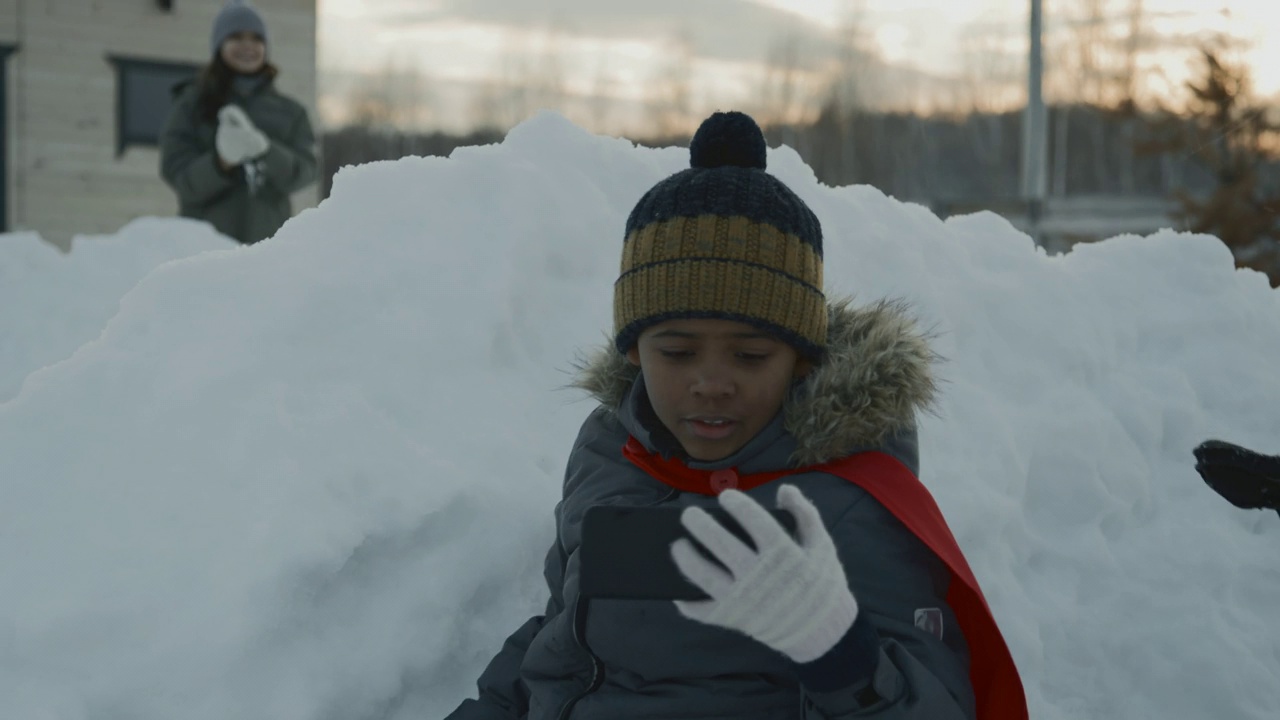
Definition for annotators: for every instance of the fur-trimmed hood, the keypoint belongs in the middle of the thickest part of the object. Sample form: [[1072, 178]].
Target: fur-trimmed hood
[[874, 378]]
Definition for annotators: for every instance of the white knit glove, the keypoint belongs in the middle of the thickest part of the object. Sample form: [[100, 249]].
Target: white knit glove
[[237, 139], [792, 596]]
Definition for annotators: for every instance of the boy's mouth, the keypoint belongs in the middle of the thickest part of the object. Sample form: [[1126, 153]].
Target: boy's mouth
[[711, 428]]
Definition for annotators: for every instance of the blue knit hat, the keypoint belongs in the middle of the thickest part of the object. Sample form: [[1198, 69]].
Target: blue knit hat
[[723, 239], [236, 16]]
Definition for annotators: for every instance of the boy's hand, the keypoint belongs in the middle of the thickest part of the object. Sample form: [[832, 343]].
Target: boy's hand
[[1245, 478], [792, 596]]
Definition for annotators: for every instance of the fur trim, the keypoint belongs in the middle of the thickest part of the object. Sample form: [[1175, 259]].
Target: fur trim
[[607, 375], [875, 376]]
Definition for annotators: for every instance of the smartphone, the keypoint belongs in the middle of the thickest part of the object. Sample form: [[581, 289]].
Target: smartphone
[[626, 551]]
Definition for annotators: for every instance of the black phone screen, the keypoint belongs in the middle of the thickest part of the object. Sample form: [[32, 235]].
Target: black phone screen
[[626, 551]]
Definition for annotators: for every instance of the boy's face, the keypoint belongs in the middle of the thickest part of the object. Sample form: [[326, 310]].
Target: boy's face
[[714, 384]]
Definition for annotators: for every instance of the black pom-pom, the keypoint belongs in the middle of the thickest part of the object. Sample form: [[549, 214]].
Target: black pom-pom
[[728, 139]]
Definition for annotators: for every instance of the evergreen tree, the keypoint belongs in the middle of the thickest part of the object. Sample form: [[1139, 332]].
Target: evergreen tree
[[1233, 136]]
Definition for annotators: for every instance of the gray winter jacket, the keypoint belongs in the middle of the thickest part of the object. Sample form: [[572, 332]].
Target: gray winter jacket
[[617, 659], [188, 163]]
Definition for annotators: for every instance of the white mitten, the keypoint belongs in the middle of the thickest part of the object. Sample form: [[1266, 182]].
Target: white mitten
[[792, 596], [237, 139]]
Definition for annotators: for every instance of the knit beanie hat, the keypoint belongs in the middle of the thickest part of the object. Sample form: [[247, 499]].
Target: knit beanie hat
[[723, 239], [236, 16]]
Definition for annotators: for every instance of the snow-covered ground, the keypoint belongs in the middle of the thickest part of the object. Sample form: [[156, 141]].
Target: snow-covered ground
[[313, 478]]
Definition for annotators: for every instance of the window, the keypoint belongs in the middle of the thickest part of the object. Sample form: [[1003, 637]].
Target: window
[[144, 93]]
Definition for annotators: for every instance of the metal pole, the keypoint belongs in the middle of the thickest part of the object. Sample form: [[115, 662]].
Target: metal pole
[[4, 136], [1034, 142]]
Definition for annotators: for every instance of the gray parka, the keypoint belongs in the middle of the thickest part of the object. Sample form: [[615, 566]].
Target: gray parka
[[617, 659], [188, 163]]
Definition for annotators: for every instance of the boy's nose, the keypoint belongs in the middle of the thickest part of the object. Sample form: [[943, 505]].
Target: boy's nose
[[711, 382]]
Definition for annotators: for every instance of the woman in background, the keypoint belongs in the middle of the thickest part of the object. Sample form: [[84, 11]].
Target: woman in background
[[234, 148]]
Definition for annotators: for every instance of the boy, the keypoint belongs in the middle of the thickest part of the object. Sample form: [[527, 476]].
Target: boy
[[732, 381]]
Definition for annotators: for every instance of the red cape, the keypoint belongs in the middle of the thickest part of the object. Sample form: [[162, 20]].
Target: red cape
[[996, 683]]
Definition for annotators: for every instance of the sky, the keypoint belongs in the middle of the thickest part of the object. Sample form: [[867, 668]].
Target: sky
[[314, 478], [940, 53]]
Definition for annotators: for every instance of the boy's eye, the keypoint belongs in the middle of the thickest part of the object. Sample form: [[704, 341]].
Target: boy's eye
[[753, 357], [676, 354]]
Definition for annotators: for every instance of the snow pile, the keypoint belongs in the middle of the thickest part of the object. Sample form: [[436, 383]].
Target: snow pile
[[314, 478], [53, 303]]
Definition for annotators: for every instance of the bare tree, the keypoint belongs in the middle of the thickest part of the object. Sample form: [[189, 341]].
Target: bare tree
[[781, 96], [1104, 52], [1130, 73], [670, 102], [396, 96], [847, 79], [844, 94], [545, 76], [528, 76], [992, 69], [600, 101], [1098, 52]]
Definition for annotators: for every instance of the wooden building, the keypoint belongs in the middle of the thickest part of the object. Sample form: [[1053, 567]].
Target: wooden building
[[84, 91]]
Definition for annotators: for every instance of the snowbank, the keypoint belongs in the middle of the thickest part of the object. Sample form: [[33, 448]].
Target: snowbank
[[313, 478]]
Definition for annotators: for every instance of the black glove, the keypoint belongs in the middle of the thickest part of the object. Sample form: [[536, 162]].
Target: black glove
[[1246, 479]]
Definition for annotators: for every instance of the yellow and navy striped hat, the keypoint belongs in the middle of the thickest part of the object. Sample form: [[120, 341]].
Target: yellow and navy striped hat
[[723, 239]]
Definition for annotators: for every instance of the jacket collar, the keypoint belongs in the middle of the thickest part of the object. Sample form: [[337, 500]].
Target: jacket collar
[[246, 86]]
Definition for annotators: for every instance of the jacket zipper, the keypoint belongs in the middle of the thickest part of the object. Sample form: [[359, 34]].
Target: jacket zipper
[[597, 667], [671, 495], [580, 637]]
